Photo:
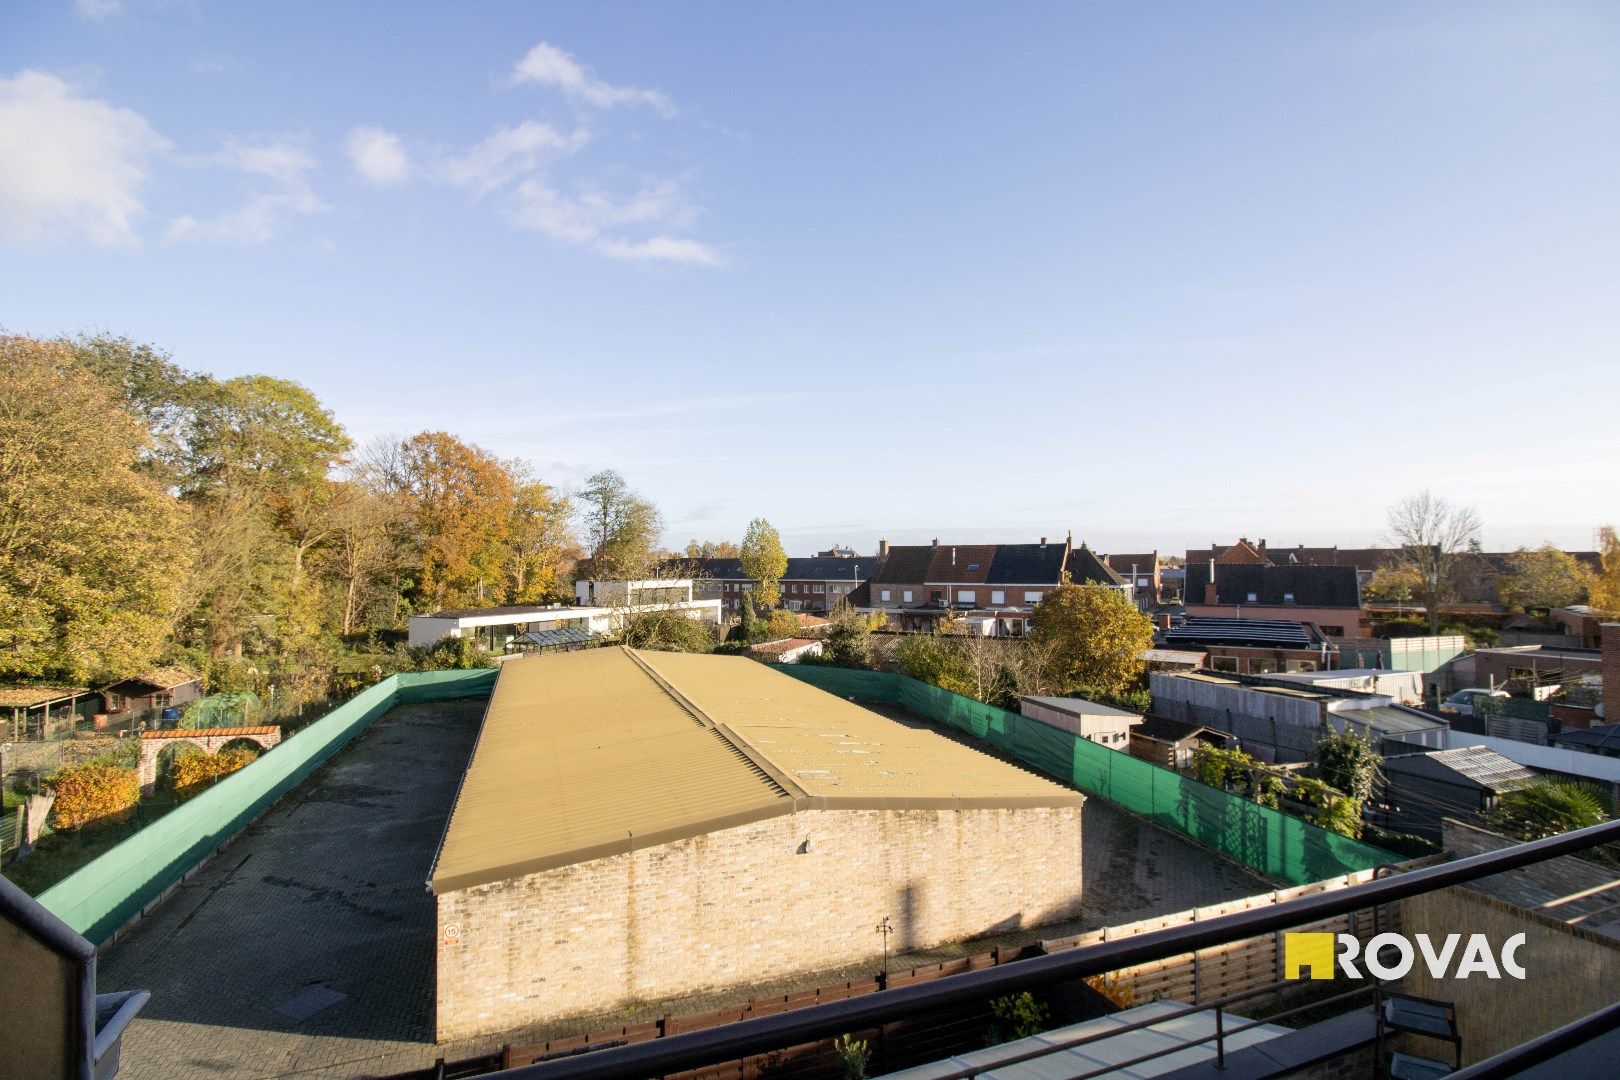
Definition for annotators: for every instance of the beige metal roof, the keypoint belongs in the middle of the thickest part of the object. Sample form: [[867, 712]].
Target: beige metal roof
[[598, 752]]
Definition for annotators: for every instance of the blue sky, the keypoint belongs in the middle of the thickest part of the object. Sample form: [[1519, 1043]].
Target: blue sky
[[1161, 274]]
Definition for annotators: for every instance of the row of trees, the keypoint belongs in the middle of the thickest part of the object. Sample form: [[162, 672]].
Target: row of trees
[[148, 512], [1438, 562]]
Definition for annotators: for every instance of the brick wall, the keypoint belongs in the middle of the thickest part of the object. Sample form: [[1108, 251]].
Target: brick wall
[[1541, 884], [1569, 972], [1611, 671], [740, 905]]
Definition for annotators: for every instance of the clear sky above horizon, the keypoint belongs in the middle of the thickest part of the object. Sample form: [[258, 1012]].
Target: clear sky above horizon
[[1160, 274]]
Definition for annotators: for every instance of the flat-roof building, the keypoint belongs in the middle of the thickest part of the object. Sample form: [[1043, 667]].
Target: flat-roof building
[[637, 826]]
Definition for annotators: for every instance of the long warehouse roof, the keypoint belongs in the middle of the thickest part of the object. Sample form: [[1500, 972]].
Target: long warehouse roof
[[588, 754]]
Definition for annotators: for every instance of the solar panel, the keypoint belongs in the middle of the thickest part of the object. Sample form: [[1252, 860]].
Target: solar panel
[[1263, 632]]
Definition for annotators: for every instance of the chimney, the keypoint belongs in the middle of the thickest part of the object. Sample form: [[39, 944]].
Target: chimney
[[883, 549], [936, 541], [1043, 541], [1209, 586], [1164, 620]]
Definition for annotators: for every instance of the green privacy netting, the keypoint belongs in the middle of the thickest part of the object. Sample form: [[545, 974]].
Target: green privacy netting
[[1277, 845], [105, 893]]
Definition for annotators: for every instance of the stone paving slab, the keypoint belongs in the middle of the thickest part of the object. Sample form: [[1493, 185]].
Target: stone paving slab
[[325, 895]]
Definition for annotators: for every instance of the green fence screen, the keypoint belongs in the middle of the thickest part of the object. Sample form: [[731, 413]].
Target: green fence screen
[[1275, 844], [106, 893]]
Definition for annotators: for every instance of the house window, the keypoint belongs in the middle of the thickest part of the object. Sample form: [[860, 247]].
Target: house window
[[906, 596], [886, 597], [821, 588], [973, 566], [966, 596], [1262, 667], [1300, 665], [997, 596], [1224, 663], [1288, 598], [1254, 598], [1333, 631], [1032, 597]]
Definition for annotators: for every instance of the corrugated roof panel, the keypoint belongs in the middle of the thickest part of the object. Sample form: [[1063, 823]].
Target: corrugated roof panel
[[591, 753]]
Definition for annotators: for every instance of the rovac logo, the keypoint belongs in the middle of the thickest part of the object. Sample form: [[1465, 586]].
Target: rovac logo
[[1391, 956]]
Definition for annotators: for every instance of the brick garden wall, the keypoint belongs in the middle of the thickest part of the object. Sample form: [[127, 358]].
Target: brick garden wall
[[744, 905]]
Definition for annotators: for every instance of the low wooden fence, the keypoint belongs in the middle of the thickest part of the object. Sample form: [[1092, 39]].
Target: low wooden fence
[[1236, 967]]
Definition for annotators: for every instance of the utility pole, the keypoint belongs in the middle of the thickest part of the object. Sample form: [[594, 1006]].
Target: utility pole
[[885, 928]]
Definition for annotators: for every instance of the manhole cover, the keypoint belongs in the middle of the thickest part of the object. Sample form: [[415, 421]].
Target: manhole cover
[[309, 1001]]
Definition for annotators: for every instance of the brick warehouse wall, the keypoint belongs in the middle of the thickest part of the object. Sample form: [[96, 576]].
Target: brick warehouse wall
[[746, 904]]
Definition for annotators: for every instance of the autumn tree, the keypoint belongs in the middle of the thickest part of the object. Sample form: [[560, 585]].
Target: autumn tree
[[711, 549], [461, 500], [366, 549], [1545, 577], [621, 529], [1605, 585], [92, 549], [1435, 539], [764, 560], [1093, 638], [540, 545]]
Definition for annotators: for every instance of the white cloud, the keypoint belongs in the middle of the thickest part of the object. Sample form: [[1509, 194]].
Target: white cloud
[[585, 219], [662, 249], [378, 156], [98, 10], [286, 165], [509, 153], [547, 65], [72, 164]]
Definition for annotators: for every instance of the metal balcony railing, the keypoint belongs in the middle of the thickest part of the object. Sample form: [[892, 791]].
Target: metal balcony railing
[[695, 1049]]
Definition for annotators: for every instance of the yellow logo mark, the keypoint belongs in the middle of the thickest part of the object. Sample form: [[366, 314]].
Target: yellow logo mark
[[1314, 951]]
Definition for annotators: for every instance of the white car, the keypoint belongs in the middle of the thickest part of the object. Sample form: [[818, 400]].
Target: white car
[[1462, 702]]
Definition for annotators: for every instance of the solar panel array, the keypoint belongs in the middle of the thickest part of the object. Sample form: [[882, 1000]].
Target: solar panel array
[[1263, 633]]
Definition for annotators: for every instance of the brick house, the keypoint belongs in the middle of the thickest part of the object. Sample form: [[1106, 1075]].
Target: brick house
[[814, 585], [994, 587], [1327, 596], [1141, 572]]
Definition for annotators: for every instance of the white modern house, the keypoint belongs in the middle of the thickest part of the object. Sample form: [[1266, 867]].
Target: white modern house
[[602, 608]]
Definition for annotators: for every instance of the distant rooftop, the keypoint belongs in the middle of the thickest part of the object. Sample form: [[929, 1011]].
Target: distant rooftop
[[1081, 707]]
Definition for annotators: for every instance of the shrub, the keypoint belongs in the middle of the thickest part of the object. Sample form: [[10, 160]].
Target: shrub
[[854, 1055], [1018, 1016], [194, 773], [94, 795]]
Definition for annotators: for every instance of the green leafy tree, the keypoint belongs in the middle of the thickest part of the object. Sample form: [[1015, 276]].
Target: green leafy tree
[[936, 659], [849, 639], [621, 529], [1347, 761], [764, 560], [1546, 577], [93, 552], [667, 630], [1093, 638], [1548, 807]]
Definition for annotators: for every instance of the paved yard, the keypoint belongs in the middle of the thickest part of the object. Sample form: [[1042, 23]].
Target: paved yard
[[305, 948], [323, 896]]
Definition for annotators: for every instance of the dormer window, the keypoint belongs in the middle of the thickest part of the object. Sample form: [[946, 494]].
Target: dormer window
[[1288, 598]]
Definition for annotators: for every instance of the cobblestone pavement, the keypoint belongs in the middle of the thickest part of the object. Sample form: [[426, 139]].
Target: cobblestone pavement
[[325, 896]]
